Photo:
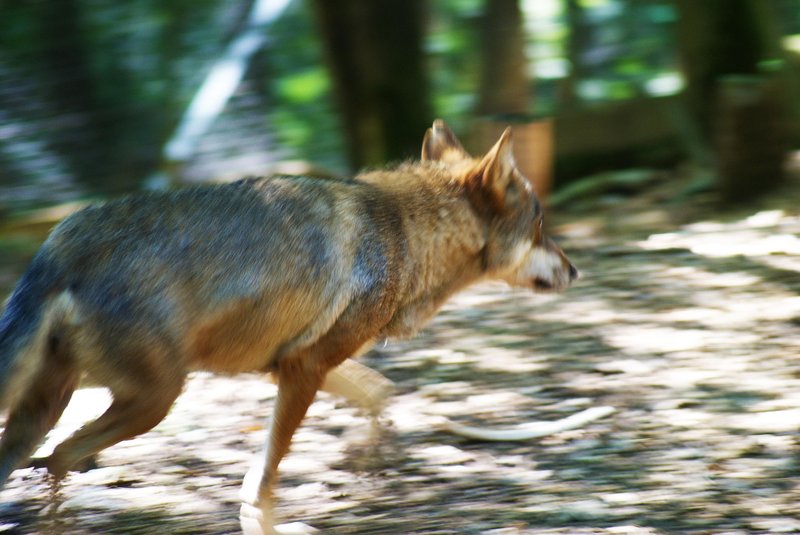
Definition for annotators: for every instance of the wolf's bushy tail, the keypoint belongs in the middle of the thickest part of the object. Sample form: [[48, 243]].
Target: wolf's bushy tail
[[20, 324]]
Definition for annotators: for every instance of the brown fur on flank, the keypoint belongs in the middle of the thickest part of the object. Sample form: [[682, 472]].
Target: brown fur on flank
[[288, 275]]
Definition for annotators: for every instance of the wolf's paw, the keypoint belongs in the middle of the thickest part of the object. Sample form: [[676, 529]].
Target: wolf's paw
[[84, 465], [295, 528], [55, 468], [254, 521], [370, 448]]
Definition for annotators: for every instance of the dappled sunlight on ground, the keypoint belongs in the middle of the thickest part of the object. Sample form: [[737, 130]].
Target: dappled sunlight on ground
[[689, 328]]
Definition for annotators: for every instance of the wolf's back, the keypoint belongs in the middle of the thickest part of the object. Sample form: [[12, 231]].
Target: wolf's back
[[21, 321]]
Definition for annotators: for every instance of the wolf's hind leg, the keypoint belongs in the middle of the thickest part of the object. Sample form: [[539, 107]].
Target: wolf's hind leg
[[35, 414], [135, 409]]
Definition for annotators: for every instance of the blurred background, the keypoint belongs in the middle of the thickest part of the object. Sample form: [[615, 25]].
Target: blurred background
[[99, 97]]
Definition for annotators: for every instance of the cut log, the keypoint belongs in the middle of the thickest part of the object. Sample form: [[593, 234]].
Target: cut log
[[533, 148], [751, 136]]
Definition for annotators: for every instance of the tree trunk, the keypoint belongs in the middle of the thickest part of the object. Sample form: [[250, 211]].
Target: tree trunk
[[718, 38], [727, 47], [750, 136], [504, 73], [505, 96], [374, 51], [71, 87]]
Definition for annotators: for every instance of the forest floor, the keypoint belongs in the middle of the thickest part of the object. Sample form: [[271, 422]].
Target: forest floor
[[686, 320]]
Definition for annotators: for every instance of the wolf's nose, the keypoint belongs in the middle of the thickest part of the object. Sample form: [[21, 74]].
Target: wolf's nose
[[574, 274]]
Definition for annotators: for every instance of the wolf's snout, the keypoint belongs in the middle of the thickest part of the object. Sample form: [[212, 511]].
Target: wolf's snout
[[574, 274]]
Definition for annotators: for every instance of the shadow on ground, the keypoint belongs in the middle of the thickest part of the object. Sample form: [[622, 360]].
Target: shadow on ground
[[686, 321]]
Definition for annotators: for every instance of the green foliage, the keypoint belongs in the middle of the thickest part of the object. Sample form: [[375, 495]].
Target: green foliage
[[304, 87], [631, 43], [18, 26], [147, 57], [453, 47], [590, 4], [302, 115]]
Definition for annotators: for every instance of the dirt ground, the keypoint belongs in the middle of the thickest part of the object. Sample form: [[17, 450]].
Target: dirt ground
[[686, 321]]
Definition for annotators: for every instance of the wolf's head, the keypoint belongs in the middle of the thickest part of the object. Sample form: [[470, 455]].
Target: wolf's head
[[517, 250]]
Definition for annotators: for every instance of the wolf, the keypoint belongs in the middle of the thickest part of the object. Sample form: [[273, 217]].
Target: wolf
[[287, 275]]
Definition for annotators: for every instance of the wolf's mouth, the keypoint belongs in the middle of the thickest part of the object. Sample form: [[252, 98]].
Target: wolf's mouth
[[541, 284]]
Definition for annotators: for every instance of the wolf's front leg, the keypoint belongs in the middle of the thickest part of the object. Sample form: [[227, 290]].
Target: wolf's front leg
[[258, 519], [361, 385], [296, 389]]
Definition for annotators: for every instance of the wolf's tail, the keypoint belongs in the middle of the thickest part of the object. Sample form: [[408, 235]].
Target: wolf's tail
[[22, 336]]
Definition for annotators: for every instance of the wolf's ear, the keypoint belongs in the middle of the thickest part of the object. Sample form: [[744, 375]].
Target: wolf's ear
[[494, 176], [441, 144]]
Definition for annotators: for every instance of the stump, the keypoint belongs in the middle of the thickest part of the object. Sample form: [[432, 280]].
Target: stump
[[533, 148], [751, 136]]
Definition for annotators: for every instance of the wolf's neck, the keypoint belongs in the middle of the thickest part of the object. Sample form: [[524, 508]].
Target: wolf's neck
[[444, 243]]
